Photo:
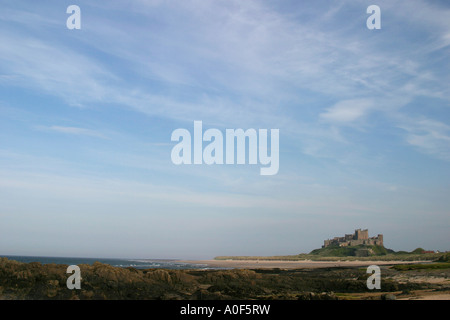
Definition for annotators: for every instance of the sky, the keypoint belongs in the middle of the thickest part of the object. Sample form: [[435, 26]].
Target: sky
[[86, 118]]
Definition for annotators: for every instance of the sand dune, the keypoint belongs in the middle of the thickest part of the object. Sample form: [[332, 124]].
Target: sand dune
[[283, 264]]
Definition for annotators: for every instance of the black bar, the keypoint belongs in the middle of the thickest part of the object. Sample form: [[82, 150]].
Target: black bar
[[222, 309]]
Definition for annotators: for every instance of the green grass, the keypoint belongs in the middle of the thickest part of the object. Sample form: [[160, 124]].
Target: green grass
[[428, 266], [348, 253], [336, 251], [444, 258]]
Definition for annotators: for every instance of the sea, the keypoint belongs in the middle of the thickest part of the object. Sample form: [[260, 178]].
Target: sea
[[123, 263]]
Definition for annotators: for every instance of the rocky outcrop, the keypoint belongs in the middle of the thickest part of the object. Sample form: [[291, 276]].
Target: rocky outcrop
[[103, 281]]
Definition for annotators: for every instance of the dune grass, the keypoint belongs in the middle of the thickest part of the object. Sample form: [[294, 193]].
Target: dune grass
[[348, 254]]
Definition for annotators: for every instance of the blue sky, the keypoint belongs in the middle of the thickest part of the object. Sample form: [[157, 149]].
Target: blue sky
[[86, 118]]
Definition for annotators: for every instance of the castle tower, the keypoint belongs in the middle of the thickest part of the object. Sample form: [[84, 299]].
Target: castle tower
[[380, 240], [365, 234], [358, 238], [361, 234], [356, 234]]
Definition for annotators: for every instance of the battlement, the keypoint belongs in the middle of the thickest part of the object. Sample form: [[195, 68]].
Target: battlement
[[358, 238]]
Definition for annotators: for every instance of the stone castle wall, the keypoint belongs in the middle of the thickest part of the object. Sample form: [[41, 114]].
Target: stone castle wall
[[360, 237]]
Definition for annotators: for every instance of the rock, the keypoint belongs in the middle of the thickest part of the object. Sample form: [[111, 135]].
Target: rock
[[159, 275], [52, 288]]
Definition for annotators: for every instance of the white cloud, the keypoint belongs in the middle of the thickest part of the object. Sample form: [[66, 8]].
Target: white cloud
[[74, 131], [231, 62], [348, 111], [429, 136]]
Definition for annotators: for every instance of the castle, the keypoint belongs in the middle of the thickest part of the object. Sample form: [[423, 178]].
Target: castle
[[359, 237]]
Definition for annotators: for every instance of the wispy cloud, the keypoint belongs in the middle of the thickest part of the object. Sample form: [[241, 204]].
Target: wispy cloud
[[138, 69], [251, 65], [347, 111], [248, 55], [428, 136], [74, 131]]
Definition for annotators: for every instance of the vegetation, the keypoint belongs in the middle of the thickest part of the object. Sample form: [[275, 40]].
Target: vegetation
[[361, 252], [422, 266], [443, 262], [444, 258], [101, 281]]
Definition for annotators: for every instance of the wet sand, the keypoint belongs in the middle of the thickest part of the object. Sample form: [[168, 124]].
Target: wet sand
[[283, 264]]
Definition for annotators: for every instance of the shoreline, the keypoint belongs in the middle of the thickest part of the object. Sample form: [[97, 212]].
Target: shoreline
[[225, 279], [285, 264]]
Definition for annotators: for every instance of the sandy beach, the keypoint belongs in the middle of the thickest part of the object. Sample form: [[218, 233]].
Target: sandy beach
[[283, 264]]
